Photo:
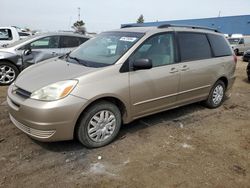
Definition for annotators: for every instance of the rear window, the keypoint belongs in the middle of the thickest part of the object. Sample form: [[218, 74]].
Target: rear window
[[194, 46], [5, 34], [219, 45]]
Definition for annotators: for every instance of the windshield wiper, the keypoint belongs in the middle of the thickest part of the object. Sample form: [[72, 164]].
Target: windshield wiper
[[74, 58], [79, 61]]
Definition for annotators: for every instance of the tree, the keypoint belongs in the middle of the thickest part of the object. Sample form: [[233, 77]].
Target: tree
[[79, 27], [140, 19]]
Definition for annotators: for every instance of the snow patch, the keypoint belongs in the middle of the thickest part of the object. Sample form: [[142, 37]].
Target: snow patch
[[187, 146]]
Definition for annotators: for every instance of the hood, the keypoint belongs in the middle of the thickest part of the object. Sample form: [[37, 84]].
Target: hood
[[48, 72]]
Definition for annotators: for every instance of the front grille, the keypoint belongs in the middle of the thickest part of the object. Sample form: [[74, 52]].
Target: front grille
[[22, 93], [32, 132]]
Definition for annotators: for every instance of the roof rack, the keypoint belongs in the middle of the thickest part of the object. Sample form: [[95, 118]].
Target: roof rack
[[130, 25], [188, 26]]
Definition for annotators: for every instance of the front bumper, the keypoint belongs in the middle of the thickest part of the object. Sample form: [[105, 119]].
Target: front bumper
[[45, 121]]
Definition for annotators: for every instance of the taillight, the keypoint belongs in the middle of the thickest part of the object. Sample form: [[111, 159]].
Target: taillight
[[235, 58]]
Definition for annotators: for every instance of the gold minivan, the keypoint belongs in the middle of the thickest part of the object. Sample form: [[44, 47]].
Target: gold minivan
[[120, 76]]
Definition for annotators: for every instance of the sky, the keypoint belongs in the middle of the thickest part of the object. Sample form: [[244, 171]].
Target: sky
[[102, 15]]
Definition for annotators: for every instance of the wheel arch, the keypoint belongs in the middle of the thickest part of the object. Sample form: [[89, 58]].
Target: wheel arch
[[224, 80], [113, 99], [11, 62]]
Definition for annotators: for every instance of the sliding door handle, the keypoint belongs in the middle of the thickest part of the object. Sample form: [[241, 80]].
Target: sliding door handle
[[184, 68], [173, 70]]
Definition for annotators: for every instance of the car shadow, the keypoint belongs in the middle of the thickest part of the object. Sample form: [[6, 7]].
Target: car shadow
[[63, 146], [137, 125], [174, 115]]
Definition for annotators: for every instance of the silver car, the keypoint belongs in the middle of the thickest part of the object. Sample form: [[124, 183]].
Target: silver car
[[17, 56]]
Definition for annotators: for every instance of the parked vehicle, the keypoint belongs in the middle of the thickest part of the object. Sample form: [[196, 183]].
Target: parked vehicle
[[8, 35], [239, 43], [246, 56], [248, 71], [17, 56], [90, 92]]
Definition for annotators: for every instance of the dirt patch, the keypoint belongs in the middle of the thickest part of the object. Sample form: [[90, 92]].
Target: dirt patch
[[190, 146]]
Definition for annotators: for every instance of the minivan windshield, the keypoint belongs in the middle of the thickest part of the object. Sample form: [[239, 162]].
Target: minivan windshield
[[105, 49], [234, 41]]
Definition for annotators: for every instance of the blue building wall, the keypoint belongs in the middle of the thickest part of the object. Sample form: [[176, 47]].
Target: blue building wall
[[228, 25]]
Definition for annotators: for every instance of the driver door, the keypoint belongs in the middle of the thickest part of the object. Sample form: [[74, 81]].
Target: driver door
[[154, 89], [40, 50]]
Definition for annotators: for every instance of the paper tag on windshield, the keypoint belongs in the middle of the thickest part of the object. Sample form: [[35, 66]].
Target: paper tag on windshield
[[128, 39]]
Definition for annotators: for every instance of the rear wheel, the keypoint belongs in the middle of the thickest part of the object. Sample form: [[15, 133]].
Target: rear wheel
[[216, 95], [8, 73], [99, 124]]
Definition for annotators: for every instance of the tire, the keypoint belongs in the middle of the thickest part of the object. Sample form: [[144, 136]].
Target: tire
[[8, 73], [219, 88], [93, 124], [236, 51]]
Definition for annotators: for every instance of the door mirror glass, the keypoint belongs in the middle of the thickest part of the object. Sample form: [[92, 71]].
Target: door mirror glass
[[141, 64], [27, 52]]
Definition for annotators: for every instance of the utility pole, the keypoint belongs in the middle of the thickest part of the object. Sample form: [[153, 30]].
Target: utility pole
[[79, 13], [219, 14]]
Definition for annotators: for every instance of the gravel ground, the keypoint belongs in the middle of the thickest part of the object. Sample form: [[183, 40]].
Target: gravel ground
[[191, 146]]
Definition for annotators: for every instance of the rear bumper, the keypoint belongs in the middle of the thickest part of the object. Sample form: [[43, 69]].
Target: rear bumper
[[45, 121]]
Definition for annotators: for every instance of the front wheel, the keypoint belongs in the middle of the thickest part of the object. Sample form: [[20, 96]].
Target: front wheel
[[8, 73], [216, 95], [99, 124]]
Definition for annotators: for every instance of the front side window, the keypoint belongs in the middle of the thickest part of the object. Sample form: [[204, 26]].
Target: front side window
[[105, 49], [5, 34], [47, 42], [241, 41], [159, 49], [194, 46]]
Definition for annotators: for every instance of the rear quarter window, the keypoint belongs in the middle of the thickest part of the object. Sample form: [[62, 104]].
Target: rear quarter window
[[219, 45]]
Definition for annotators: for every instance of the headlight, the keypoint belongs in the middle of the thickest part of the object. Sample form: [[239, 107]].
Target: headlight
[[54, 91]]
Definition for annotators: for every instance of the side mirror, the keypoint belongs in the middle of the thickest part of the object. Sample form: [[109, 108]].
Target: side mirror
[[141, 64], [27, 52]]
